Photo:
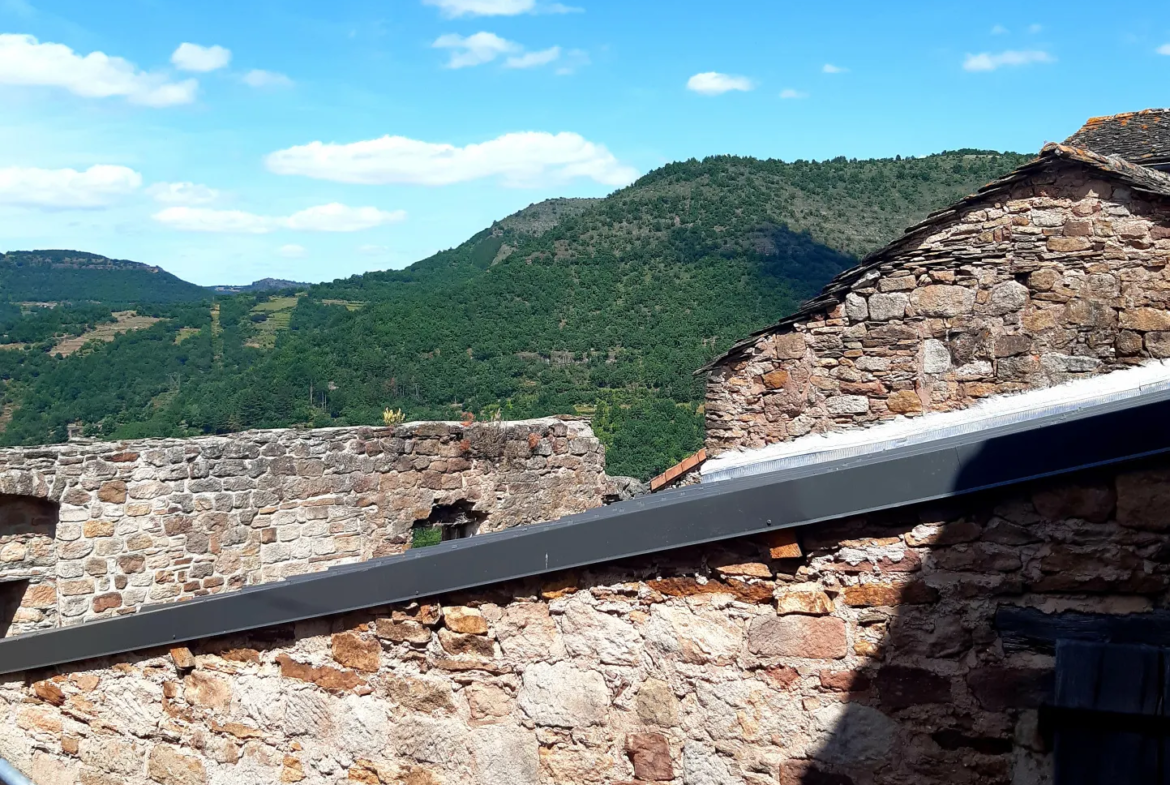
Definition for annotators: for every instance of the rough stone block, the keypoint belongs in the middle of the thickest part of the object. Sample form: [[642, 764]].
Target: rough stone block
[[812, 637]]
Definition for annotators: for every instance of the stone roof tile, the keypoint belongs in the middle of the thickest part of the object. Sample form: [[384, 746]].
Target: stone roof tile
[[1141, 137]]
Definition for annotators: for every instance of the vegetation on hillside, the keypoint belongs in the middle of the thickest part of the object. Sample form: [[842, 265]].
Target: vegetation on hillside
[[595, 307]]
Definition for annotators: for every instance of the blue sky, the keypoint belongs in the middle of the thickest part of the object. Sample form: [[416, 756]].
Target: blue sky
[[228, 141]]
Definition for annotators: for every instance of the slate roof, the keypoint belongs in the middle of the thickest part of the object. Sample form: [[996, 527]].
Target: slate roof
[[1138, 178], [951, 466], [1141, 137]]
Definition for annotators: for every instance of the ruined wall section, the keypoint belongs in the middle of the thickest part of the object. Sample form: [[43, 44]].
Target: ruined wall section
[[159, 521], [874, 659], [1063, 277]]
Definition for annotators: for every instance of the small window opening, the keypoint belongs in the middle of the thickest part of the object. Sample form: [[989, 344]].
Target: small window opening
[[447, 522], [11, 595]]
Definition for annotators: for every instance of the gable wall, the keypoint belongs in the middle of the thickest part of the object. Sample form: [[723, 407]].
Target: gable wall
[[1063, 277]]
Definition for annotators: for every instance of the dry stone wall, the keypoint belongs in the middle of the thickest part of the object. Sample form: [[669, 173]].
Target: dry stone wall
[[1063, 277], [871, 660], [94, 530]]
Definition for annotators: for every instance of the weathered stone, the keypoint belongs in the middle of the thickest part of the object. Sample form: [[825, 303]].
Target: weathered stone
[[353, 651], [1007, 297], [884, 307], [425, 695], [560, 695], [942, 301], [168, 766], [650, 755], [856, 308], [691, 637], [183, 659], [472, 645], [1000, 688], [593, 634], [208, 691], [1145, 320], [904, 402], [107, 602], [1143, 499], [113, 492], [936, 357], [49, 692], [402, 632], [847, 404], [1091, 502], [325, 677], [464, 620], [813, 637], [774, 380], [889, 594], [901, 687], [852, 734], [805, 598], [789, 346], [657, 704]]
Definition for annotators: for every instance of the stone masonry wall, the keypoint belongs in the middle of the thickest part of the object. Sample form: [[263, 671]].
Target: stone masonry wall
[[1064, 277], [158, 521], [871, 660]]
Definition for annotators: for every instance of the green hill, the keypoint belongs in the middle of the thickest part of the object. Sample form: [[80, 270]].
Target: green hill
[[599, 307], [75, 276]]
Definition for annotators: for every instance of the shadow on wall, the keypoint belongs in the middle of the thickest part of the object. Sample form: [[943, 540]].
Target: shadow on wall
[[939, 694], [28, 529]]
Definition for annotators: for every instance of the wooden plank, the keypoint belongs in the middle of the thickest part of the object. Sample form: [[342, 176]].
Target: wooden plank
[[1029, 629], [1123, 680]]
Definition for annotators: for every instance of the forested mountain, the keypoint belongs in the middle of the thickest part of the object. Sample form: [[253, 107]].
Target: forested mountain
[[75, 276], [595, 307]]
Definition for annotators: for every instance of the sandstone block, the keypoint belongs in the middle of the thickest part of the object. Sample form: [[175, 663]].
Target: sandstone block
[[999, 688], [790, 346], [901, 687], [208, 691], [167, 766], [1007, 297], [775, 379], [868, 595], [402, 632], [325, 677], [1157, 344], [1143, 500], [1145, 319], [113, 492], [107, 601], [49, 693], [1090, 502], [1069, 244], [941, 300], [936, 357], [813, 637], [782, 544], [474, 645], [99, 529], [852, 734], [650, 754], [465, 620], [840, 405], [805, 598], [855, 307], [353, 651], [904, 402]]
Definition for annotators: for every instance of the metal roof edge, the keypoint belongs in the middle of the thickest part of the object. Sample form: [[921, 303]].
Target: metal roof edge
[[1093, 436]]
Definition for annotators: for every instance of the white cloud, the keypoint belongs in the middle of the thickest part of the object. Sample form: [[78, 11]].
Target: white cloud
[[790, 93], [534, 59], [999, 30], [182, 193], [573, 60], [323, 218], [474, 49], [713, 83], [987, 61], [373, 250], [97, 186], [292, 251], [260, 79], [456, 8], [1164, 49], [829, 68], [201, 59], [519, 159], [26, 61]]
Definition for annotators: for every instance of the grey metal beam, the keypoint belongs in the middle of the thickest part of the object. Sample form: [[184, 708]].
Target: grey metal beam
[[1094, 436]]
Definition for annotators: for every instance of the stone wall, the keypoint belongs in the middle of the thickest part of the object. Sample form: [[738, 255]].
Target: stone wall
[[1065, 276], [102, 529], [871, 660]]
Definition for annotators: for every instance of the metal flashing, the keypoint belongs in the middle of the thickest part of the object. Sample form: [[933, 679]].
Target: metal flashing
[[1093, 436]]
